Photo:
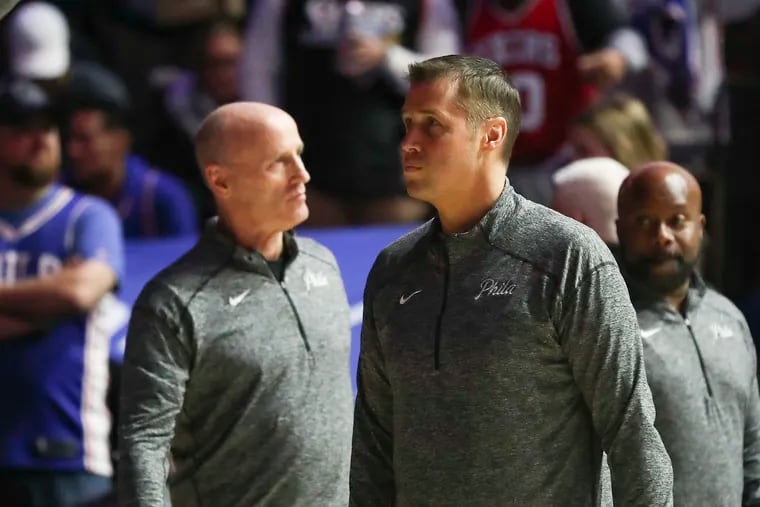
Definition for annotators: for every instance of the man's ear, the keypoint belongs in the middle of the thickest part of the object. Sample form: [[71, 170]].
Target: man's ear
[[495, 133], [217, 179]]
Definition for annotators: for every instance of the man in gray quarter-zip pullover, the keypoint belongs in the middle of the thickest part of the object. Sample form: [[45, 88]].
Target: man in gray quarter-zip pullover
[[500, 352], [700, 358], [237, 354]]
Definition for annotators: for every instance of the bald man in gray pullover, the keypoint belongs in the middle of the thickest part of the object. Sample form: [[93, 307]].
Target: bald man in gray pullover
[[238, 353], [700, 358]]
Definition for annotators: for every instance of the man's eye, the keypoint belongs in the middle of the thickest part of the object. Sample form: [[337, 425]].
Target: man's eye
[[643, 222], [678, 221]]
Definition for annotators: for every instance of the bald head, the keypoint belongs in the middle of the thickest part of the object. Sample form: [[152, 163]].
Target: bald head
[[250, 154], [233, 130], [655, 180], [660, 226]]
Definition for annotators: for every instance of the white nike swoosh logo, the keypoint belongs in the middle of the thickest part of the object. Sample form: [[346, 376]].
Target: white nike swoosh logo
[[646, 333], [234, 301], [404, 299]]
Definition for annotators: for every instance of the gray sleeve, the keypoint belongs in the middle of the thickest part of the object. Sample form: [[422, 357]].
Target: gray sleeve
[[372, 480], [156, 368], [751, 496], [600, 335]]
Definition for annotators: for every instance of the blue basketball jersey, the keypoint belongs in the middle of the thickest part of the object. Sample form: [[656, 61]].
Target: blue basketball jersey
[[53, 383], [153, 203]]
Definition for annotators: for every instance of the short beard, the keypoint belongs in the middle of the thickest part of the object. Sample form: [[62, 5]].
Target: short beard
[[26, 176], [662, 285]]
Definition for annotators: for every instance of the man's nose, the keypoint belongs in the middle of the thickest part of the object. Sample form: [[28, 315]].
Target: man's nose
[[301, 172], [663, 235], [410, 142]]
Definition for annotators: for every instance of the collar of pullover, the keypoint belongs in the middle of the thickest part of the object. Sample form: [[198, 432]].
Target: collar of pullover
[[491, 223], [250, 260], [644, 298]]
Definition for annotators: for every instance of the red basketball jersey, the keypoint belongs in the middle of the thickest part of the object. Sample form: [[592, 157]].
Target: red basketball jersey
[[537, 47]]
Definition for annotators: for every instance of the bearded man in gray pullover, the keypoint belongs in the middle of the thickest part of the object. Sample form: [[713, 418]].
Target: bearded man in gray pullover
[[700, 357], [238, 353], [500, 351]]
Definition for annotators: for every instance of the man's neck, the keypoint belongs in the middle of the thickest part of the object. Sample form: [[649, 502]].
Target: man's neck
[[461, 212], [110, 188], [15, 197], [677, 297], [268, 243]]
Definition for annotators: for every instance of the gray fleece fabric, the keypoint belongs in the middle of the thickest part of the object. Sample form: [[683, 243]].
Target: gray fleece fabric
[[242, 380], [702, 370], [495, 367]]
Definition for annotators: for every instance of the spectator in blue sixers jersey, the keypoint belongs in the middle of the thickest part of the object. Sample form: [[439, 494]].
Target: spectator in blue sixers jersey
[[150, 202], [61, 255]]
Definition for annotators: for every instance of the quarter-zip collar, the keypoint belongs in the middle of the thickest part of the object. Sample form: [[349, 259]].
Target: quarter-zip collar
[[251, 260], [644, 298], [493, 222]]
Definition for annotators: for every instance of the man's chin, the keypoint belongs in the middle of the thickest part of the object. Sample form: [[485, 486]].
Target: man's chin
[[416, 190], [661, 278], [34, 179], [665, 283], [298, 217]]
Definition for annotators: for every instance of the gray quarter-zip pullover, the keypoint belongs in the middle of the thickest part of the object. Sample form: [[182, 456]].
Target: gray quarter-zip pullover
[[701, 368], [496, 365], [245, 380]]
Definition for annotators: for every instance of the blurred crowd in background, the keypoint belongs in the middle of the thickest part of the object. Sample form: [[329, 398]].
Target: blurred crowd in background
[[636, 80], [631, 80]]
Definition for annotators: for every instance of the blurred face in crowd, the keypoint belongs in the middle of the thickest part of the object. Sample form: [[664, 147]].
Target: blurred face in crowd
[[660, 226], [439, 151], [586, 144], [261, 182], [219, 72], [96, 151], [30, 153]]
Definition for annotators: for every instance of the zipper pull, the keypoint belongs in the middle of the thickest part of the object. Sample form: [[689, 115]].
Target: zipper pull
[[699, 356]]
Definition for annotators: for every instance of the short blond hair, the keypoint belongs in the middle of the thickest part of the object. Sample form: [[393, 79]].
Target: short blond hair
[[483, 90]]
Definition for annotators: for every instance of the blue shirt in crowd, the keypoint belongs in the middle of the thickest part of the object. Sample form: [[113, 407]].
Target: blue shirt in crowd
[[53, 383], [153, 203]]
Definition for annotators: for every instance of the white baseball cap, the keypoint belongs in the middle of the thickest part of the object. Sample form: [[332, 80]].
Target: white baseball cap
[[38, 41]]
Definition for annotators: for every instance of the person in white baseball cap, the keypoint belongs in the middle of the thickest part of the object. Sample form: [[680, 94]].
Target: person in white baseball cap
[[38, 41]]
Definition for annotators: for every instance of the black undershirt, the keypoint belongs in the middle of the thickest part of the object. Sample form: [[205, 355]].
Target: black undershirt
[[278, 268]]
